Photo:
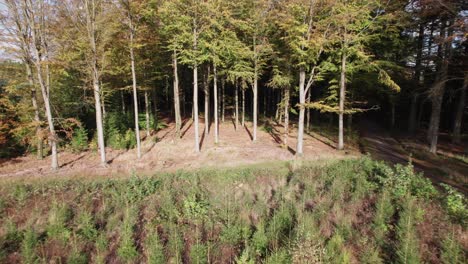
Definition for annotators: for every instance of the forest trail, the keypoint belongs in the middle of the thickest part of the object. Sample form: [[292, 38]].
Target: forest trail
[[162, 152], [381, 145]]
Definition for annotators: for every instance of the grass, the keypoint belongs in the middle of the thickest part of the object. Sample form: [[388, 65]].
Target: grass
[[350, 211]]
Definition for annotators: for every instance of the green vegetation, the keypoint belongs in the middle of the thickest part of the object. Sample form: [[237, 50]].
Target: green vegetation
[[337, 212]]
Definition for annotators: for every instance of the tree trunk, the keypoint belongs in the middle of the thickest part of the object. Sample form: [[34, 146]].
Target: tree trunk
[[122, 101], [308, 113], [236, 98], [155, 108], [255, 105], [342, 102], [417, 80], [195, 93], [207, 101], [457, 124], [413, 113], [286, 117], [37, 119], [438, 90], [147, 114], [44, 89], [178, 118], [135, 94], [243, 108], [223, 98], [215, 97], [300, 127]]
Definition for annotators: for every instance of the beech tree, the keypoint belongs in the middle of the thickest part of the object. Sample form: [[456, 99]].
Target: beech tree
[[131, 20], [19, 30], [36, 17]]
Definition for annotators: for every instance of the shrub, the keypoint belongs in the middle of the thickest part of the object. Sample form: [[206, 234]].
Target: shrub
[[279, 257], [260, 240], [198, 254], [28, 246], [383, 215], [455, 204], [79, 141], [234, 234], [101, 247], [154, 249], [408, 245], [77, 257], [175, 244], [335, 252], [116, 141], [127, 250], [57, 222], [130, 139], [452, 252], [86, 226]]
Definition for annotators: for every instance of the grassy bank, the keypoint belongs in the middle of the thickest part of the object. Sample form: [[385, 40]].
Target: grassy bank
[[351, 211]]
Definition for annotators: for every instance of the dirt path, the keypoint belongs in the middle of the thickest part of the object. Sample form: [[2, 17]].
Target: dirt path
[[440, 169], [162, 152]]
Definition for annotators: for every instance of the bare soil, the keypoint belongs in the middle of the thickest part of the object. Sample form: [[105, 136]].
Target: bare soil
[[162, 152]]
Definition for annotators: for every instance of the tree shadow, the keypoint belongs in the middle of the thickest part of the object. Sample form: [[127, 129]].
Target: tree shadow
[[116, 156], [185, 131], [73, 161], [248, 132], [276, 135], [314, 135], [202, 138], [233, 121]]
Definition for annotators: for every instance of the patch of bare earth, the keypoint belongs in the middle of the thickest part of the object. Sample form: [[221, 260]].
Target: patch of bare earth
[[163, 152]]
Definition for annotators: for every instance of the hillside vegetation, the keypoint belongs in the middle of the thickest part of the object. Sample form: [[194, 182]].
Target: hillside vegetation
[[350, 211]]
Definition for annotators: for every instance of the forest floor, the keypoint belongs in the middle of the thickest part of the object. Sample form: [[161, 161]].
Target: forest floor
[[162, 152], [450, 166]]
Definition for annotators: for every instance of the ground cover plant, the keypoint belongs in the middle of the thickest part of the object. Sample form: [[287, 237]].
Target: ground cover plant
[[349, 211]]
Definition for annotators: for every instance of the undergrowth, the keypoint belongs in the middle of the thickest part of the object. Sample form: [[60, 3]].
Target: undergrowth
[[352, 211]]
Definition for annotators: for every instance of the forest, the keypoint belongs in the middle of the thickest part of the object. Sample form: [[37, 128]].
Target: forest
[[247, 131]]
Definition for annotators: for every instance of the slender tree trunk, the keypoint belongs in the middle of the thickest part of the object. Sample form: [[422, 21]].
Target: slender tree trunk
[[255, 106], [438, 90], [215, 97], [178, 118], [392, 120], [308, 113], [350, 122], [413, 113], [147, 114], [104, 113], [417, 80], [243, 108], [135, 93], [457, 124], [154, 108], [300, 127], [37, 119], [286, 116], [223, 98], [122, 101], [278, 106], [342, 102], [236, 98], [195, 92], [44, 89], [90, 9], [207, 101]]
